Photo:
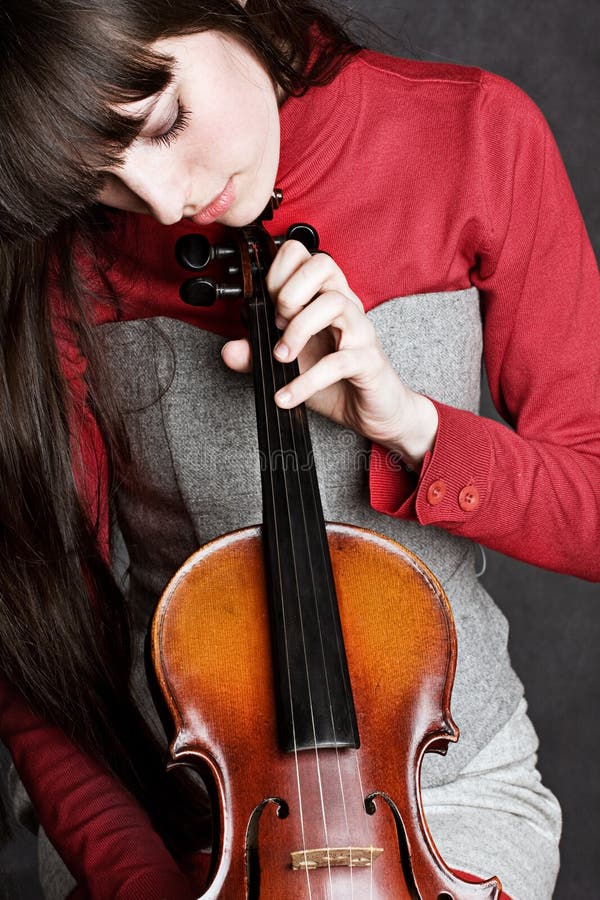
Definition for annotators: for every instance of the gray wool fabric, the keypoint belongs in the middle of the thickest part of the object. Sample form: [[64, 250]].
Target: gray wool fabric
[[192, 429], [192, 425]]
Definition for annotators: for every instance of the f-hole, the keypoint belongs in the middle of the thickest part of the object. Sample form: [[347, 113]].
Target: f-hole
[[371, 809], [252, 858]]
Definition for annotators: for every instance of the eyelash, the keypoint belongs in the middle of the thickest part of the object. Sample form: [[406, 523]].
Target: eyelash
[[181, 121]]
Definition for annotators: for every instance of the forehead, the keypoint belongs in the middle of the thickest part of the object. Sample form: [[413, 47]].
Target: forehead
[[182, 54], [142, 109]]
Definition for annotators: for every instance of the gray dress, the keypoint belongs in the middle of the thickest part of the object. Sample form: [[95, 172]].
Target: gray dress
[[193, 434]]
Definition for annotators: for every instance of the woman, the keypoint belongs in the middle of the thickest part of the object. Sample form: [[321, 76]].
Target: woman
[[436, 188]]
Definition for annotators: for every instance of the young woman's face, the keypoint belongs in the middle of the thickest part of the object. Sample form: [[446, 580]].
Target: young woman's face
[[210, 148]]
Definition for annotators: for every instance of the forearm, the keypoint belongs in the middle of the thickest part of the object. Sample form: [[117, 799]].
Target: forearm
[[530, 499], [104, 837]]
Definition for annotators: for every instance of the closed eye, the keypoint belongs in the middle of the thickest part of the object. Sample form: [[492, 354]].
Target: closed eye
[[180, 122]]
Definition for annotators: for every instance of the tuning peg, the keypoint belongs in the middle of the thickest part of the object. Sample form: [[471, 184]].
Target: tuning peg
[[204, 291], [195, 251], [302, 232]]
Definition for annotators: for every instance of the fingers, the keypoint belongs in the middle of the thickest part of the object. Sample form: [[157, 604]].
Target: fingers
[[362, 364], [330, 309], [296, 277], [320, 314]]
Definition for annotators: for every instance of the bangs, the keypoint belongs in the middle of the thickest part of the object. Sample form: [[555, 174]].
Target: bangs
[[68, 66], [61, 85]]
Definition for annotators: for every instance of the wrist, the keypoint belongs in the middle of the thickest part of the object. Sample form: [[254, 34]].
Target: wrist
[[418, 435]]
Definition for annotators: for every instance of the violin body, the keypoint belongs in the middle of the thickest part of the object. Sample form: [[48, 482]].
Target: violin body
[[212, 625], [307, 668]]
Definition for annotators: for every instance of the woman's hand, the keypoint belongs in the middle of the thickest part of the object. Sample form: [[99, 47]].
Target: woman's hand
[[344, 373]]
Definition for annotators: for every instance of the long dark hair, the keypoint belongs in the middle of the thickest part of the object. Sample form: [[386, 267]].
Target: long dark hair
[[65, 65]]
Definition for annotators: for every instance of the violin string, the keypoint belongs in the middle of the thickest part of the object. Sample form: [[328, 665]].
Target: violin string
[[325, 673], [284, 621], [296, 467], [266, 300], [333, 602], [356, 757]]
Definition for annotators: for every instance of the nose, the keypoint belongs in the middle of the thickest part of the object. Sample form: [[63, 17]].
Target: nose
[[161, 199], [141, 188]]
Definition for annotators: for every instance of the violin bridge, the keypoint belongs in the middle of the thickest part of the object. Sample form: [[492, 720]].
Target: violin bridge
[[325, 857]]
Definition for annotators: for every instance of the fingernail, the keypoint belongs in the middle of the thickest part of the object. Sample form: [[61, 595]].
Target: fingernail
[[283, 398], [281, 350], [280, 322]]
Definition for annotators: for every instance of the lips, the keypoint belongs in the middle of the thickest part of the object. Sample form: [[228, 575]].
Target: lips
[[218, 207]]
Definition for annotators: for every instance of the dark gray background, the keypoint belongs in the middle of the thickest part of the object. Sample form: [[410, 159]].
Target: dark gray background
[[551, 51]]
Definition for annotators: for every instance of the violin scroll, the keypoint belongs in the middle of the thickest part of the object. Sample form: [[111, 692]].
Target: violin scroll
[[195, 253]]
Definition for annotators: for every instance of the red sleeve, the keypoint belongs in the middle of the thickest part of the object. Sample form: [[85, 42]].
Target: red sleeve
[[530, 488], [103, 835]]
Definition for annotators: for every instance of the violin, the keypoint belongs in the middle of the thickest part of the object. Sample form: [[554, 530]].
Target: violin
[[307, 667]]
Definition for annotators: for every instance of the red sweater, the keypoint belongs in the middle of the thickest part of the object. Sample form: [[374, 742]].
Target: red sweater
[[420, 177]]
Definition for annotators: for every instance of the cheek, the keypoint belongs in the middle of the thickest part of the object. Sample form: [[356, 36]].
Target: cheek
[[116, 194], [247, 116], [256, 132]]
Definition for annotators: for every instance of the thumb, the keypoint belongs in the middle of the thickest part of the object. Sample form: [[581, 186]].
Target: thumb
[[237, 356]]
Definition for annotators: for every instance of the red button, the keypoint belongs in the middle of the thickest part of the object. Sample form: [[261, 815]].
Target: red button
[[468, 499], [436, 492]]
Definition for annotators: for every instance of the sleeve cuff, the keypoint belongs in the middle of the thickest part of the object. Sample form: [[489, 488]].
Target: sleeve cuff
[[453, 484]]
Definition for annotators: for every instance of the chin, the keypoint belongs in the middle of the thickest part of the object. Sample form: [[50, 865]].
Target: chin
[[245, 212]]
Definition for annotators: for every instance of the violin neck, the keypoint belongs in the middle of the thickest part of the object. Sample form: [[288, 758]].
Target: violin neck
[[314, 698]]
